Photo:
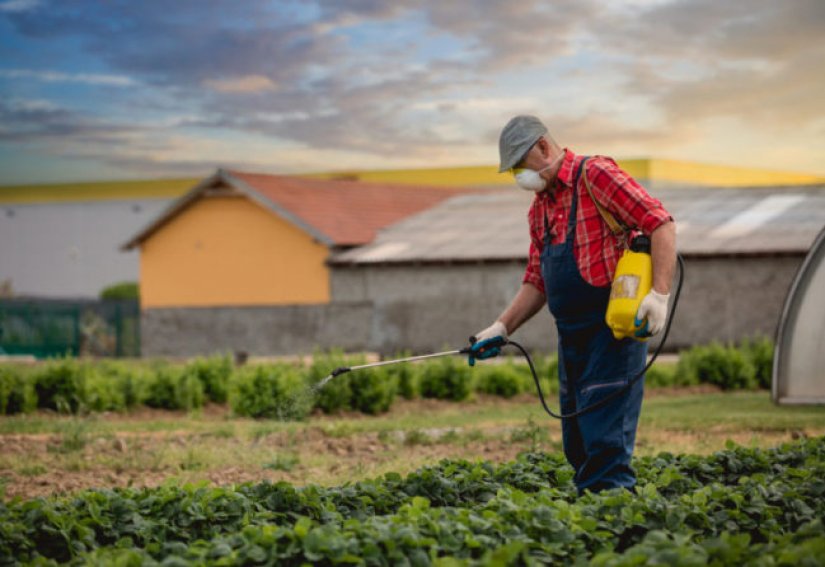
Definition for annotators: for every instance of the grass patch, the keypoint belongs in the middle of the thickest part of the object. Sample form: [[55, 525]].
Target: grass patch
[[283, 462], [335, 449]]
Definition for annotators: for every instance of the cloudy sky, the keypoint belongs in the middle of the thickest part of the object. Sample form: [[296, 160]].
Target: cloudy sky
[[112, 89]]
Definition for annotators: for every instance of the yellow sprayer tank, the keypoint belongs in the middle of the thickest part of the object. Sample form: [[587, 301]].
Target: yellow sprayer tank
[[631, 282]]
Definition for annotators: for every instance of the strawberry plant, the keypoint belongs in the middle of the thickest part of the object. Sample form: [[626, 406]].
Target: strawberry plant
[[739, 506]]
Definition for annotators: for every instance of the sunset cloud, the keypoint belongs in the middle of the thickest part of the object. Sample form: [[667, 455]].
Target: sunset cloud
[[372, 83], [244, 84]]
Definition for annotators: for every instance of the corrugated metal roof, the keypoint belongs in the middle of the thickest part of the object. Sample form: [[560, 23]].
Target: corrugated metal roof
[[493, 226]]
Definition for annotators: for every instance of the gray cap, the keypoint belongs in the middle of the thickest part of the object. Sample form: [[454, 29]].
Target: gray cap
[[517, 138]]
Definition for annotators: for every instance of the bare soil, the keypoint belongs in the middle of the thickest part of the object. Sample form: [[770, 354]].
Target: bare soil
[[113, 450]]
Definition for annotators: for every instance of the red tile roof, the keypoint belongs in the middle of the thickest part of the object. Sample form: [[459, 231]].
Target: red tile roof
[[348, 213]]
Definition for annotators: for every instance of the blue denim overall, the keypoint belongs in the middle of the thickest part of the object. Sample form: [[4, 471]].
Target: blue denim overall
[[592, 365]]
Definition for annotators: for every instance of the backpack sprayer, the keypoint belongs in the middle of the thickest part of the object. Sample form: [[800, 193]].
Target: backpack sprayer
[[631, 282]]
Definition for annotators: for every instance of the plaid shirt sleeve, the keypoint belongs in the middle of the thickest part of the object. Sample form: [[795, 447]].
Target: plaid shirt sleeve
[[532, 274], [624, 197]]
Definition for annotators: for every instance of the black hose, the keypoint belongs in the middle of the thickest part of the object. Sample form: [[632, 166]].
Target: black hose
[[627, 386]]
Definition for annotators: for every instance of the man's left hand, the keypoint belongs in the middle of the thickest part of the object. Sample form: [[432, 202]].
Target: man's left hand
[[654, 309]]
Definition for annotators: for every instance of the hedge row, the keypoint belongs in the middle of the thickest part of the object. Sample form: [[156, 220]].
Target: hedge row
[[286, 390]]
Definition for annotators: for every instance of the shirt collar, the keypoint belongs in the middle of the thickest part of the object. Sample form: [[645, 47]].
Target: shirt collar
[[565, 175], [564, 178]]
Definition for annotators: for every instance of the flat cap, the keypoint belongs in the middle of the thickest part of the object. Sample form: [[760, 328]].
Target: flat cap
[[516, 139]]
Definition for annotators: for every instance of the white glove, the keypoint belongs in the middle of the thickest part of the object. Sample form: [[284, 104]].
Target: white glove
[[497, 329], [654, 308]]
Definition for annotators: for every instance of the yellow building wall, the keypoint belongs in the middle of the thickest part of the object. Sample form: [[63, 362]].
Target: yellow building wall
[[231, 251]]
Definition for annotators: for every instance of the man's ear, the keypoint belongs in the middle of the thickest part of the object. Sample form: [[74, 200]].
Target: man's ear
[[543, 146]]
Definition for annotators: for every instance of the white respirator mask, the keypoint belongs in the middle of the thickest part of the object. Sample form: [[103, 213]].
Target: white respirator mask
[[531, 180]]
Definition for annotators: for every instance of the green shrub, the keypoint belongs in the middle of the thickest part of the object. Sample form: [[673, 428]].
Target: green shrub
[[128, 379], [336, 395], [661, 375], [547, 369], [447, 378], [74, 386], [214, 374], [503, 380], [373, 390], [101, 393], [686, 373], [275, 391], [173, 388], [160, 387], [16, 390], [59, 384], [759, 351], [121, 291], [406, 375], [189, 393], [723, 366]]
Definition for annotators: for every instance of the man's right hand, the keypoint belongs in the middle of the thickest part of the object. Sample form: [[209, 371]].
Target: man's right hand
[[488, 343]]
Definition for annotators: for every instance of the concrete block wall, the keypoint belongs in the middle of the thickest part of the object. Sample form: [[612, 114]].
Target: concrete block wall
[[428, 308], [256, 330]]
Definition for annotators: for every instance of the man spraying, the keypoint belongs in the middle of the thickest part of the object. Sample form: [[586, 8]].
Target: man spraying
[[584, 213]]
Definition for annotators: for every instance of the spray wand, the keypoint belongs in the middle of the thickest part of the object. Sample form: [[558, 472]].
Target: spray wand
[[502, 342]]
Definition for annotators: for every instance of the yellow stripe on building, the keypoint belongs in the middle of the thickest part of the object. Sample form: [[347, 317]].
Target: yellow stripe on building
[[99, 191], [651, 170], [665, 170], [660, 171], [441, 176]]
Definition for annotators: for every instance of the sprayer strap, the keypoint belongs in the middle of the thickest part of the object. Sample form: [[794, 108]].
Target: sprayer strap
[[618, 229]]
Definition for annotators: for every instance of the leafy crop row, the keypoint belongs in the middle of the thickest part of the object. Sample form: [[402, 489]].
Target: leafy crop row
[[738, 506], [284, 391]]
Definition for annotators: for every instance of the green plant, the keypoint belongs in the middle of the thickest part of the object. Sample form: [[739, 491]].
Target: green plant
[[531, 432], [417, 437], [74, 436], [373, 390], [130, 380], [661, 375], [723, 366], [738, 506], [121, 291], [447, 378], [759, 352], [503, 380], [270, 391], [406, 376], [336, 394], [283, 462], [172, 387], [17, 393], [214, 373], [59, 384], [189, 393]]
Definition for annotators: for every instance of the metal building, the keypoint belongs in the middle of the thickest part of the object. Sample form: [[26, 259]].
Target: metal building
[[441, 275], [70, 249], [799, 357]]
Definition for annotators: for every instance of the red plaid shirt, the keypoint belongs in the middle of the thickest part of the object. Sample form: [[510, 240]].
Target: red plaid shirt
[[596, 249]]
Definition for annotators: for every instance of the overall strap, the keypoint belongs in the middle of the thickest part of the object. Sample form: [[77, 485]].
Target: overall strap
[[571, 219], [574, 204], [618, 228]]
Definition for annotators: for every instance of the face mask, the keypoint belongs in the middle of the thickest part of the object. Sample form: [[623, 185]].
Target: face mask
[[531, 180]]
